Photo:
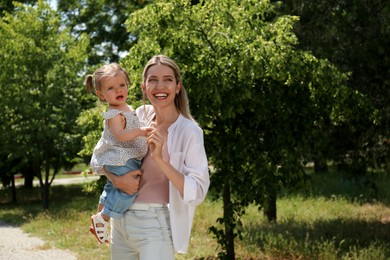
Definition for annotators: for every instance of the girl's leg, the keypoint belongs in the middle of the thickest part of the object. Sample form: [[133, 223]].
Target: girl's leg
[[100, 207], [116, 201]]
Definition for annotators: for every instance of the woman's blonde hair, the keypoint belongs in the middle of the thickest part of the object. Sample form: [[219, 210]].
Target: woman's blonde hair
[[93, 81], [181, 99]]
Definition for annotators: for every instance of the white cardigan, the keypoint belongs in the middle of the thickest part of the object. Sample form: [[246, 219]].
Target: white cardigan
[[188, 156]]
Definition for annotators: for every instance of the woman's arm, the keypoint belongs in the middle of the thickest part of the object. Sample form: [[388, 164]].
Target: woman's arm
[[176, 178], [188, 156], [127, 183]]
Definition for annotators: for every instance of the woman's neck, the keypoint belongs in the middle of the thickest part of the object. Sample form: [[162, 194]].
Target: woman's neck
[[166, 117]]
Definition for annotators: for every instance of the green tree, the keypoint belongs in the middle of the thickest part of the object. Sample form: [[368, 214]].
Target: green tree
[[41, 90], [104, 22], [355, 36], [254, 93], [8, 6]]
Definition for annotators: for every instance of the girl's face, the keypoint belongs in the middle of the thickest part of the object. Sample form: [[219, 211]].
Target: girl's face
[[160, 85], [114, 90]]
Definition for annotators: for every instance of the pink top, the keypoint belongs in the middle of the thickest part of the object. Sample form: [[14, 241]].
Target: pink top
[[154, 185]]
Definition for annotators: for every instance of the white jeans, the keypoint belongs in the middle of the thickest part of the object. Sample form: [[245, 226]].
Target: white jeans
[[142, 235]]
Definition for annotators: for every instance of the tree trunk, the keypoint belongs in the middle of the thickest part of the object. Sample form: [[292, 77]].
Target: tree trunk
[[45, 188], [270, 208], [28, 174], [229, 225], [14, 200], [320, 165]]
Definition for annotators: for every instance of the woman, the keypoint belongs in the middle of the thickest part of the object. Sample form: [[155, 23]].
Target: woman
[[175, 175]]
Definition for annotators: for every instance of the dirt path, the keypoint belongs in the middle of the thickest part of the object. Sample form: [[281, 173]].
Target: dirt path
[[17, 245], [65, 181]]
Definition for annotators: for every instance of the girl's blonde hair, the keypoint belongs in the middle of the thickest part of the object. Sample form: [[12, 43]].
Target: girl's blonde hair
[[93, 81], [181, 99]]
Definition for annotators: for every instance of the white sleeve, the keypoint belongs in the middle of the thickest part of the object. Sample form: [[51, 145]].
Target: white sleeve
[[196, 171]]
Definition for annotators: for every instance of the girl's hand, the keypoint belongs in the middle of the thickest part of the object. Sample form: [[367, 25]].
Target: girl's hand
[[145, 130]]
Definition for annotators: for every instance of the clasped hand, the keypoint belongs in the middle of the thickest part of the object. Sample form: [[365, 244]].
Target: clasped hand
[[155, 142]]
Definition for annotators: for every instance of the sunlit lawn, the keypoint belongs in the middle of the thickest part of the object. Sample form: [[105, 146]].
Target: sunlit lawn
[[322, 223]]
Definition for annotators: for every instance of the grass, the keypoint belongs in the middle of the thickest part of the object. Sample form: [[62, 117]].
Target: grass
[[327, 221]]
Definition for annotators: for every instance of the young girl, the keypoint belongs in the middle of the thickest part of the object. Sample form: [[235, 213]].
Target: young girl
[[121, 146]]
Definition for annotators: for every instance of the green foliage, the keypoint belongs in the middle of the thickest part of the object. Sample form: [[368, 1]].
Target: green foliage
[[256, 96], [90, 123], [7, 6], [41, 88], [104, 22], [355, 36]]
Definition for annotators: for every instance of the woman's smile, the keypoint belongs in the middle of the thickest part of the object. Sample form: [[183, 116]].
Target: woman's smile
[[160, 95]]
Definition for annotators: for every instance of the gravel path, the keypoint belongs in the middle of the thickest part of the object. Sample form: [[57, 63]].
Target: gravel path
[[17, 245]]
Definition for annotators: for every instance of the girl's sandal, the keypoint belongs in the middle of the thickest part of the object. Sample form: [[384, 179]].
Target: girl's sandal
[[99, 228]]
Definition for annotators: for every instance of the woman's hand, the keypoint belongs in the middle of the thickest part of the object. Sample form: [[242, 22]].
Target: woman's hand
[[155, 142], [128, 183]]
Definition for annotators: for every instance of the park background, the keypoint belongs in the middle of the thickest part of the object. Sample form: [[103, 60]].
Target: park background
[[293, 97]]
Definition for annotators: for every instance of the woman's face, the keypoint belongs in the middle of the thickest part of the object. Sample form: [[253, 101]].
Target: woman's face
[[160, 85]]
